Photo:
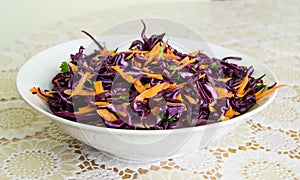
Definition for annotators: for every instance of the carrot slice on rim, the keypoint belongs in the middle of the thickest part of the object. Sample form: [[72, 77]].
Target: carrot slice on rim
[[42, 94], [264, 93]]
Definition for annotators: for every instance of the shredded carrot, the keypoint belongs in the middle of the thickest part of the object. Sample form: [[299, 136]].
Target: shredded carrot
[[230, 113], [146, 69], [130, 56], [101, 103], [179, 97], [137, 64], [181, 85], [155, 111], [194, 53], [184, 64], [40, 93], [128, 78], [85, 64], [242, 85], [105, 52], [152, 54], [211, 108], [107, 115], [155, 76], [73, 67], [68, 92], [222, 92], [224, 79], [85, 109], [149, 93], [81, 93], [190, 99], [179, 104], [203, 66], [121, 113], [173, 86], [98, 87], [80, 84], [147, 86], [262, 94], [139, 86], [184, 60]]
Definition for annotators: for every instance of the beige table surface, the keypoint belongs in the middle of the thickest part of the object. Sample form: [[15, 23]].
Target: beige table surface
[[266, 146]]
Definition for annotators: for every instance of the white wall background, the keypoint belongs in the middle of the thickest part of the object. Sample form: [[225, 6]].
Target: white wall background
[[20, 17]]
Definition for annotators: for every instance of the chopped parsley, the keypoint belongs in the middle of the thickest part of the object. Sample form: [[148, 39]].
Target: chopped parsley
[[64, 67]]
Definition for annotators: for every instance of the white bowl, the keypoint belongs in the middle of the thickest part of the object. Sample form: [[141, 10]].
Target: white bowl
[[137, 145]]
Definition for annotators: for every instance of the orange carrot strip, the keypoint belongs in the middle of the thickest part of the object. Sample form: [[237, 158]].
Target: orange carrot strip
[[179, 97], [152, 54], [105, 52], [147, 86], [68, 92], [184, 64], [149, 93], [128, 78], [211, 108], [106, 115], [230, 113], [155, 111], [194, 53], [155, 76], [242, 85], [81, 93], [259, 96], [98, 87], [130, 56], [190, 99], [146, 69], [139, 86], [121, 113], [35, 90], [224, 79], [73, 67], [101, 103], [203, 66], [79, 87], [184, 60], [85, 109], [179, 104]]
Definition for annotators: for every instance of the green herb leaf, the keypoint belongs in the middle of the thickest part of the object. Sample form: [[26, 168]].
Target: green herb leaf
[[193, 69], [64, 67], [173, 72], [161, 52], [116, 50], [163, 118], [213, 65], [90, 81], [124, 96], [259, 87], [173, 119]]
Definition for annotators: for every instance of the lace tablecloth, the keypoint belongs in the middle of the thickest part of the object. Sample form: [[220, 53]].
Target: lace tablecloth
[[266, 146]]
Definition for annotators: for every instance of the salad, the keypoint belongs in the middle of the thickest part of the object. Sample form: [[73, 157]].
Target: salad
[[151, 86]]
